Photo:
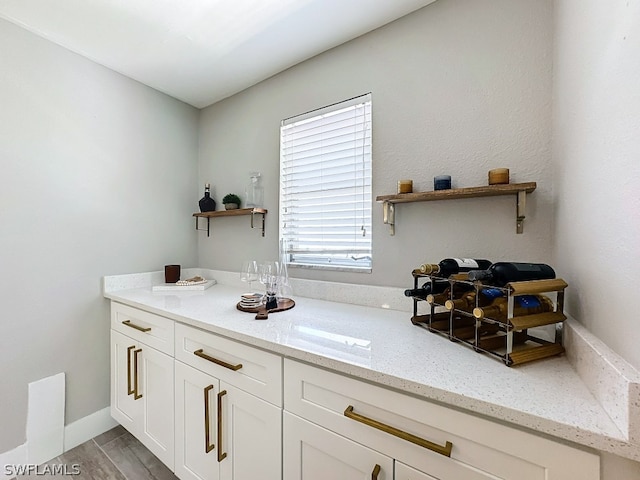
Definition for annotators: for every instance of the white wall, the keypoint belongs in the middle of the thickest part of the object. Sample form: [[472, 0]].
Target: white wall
[[458, 88], [99, 172], [597, 166], [98, 177]]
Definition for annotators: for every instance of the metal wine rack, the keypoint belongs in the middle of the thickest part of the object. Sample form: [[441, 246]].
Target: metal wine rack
[[515, 339]]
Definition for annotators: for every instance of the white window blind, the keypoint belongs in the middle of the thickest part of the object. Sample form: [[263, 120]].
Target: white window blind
[[325, 191]]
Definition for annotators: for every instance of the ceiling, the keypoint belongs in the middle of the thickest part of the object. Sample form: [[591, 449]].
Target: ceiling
[[201, 51]]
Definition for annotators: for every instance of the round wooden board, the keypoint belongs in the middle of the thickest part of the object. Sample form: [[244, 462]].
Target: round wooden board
[[262, 313]]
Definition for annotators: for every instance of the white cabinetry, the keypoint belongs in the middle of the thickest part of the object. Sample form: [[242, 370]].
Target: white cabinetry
[[222, 402], [404, 472], [223, 431], [142, 378], [314, 453], [424, 439]]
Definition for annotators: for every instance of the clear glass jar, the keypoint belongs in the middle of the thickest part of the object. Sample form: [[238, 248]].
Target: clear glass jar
[[254, 192]]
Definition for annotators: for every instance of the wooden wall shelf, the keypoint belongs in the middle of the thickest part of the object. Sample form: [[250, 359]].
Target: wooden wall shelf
[[231, 213], [518, 189]]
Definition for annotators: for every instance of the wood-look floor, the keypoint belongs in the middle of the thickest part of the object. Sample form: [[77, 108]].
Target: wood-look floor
[[114, 455]]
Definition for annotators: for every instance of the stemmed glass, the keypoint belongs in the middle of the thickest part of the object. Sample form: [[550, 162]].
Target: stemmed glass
[[249, 272], [269, 277]]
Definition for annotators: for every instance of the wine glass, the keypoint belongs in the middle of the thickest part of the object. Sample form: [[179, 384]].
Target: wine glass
[[249, 272], [269, 276]]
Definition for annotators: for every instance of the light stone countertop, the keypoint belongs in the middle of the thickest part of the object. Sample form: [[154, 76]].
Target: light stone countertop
[[381, 345]]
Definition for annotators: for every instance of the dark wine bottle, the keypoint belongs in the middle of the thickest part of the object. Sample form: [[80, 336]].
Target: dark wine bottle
[[523, 305], [207, 204], [451, 266], [469, 300], [501, 273], [455, 291], [427, 288]]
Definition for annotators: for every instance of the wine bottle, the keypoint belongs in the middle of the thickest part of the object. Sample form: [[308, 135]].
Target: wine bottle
[[207, 204], [459, 289], [467, 301], [501, 273], [522, 305], [451, 266], [427, 288]]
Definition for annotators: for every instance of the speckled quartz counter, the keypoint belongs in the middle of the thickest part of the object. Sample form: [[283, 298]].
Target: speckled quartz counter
[[382, 346]]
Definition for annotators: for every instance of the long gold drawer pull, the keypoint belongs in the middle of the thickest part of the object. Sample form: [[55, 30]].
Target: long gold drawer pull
[[137, 327], [434, 447], [200, 353], [129, 388], [221, 455], [376, 471], [136, 395], [208, 446]]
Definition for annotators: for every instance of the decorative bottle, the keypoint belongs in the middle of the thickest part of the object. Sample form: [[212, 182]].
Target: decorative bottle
[[207, 204], [254, 192]]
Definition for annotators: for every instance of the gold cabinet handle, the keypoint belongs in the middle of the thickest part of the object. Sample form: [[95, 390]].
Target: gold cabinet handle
[[376, 471], [129, 388], [136, 395], [200, 353], [137, 327], [221, 455], [434, 447], [208, 446]]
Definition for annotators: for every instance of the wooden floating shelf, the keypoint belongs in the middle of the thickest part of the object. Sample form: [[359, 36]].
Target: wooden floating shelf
[[518, 189], [453, 193], [231, 213]]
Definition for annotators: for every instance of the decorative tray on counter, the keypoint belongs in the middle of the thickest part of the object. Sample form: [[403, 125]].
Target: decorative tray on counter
[[183, 285], [261, 311]]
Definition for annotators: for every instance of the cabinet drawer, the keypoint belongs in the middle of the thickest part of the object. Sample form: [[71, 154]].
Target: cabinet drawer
[[145, 327], [416, 432], [250, 369]]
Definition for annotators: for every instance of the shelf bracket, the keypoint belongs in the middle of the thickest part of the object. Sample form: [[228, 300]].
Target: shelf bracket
[[202, 229], [259, 213], [389, 216], [520, 209]]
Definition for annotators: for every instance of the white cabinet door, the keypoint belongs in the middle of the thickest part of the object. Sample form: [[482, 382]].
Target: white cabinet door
[[124, 408], [245, 445], [313, 453], [444, 471], [196, 424], [142, 394], [157, 431], [385, 421], [251, 437], [403, 472]]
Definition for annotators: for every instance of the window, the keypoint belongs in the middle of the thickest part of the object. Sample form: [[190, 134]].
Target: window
[[325, 186]]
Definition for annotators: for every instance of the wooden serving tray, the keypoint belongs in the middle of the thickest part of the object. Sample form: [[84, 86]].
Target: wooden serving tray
[[262, 313]]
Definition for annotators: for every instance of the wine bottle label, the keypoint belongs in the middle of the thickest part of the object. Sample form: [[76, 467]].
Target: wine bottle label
[[492, 292], [527, 267], [527, 301], [466, 262]]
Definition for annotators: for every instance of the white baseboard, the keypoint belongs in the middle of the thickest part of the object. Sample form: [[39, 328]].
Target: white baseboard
[[88, 427], [75, 434], [17, 456]]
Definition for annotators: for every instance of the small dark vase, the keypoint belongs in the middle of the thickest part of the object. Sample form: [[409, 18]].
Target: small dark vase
[[207, 204]]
